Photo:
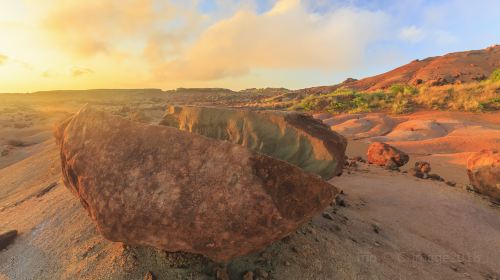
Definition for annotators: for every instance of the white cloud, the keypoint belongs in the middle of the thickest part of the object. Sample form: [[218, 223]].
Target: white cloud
[[412, 34], [288, 36]]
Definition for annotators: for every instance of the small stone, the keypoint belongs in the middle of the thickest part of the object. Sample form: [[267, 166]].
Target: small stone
[[375, 228], [340, 202], [262, 273], [287, 263], [328, 216], [6, 238], [248, 275], [470, 188], [436, 177], [422, 167], [149, 276], [451, 183]]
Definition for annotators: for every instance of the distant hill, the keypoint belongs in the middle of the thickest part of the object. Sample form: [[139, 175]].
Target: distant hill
[[452, 68]]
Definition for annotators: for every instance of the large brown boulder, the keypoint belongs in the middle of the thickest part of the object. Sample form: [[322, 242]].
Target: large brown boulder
[[382, 154], [179, 191], [295, 138], [483, 169]]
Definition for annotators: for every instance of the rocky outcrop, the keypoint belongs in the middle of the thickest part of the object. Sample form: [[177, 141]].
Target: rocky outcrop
[[295, 138], [179, 191], [483, 169], [381, 154]]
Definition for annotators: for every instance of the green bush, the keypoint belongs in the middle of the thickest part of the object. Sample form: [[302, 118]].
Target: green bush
[[495, 76], [405, 89]]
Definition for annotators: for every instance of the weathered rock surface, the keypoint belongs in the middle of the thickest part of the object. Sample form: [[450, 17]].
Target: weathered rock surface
[[483, 169], [295, 138], [381, 153], [179, 191]]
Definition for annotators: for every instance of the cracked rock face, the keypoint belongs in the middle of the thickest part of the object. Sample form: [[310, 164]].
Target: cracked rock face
[[295, 138], [179, 191]]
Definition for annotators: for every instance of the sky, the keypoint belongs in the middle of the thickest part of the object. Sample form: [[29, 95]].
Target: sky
[[63, 44]]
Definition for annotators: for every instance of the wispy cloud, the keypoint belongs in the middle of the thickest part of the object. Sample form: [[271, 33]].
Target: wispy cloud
[[287, 37], [76, 71], [236, 43]]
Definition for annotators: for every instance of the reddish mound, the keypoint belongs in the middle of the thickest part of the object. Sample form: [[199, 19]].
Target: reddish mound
[[459, 67]]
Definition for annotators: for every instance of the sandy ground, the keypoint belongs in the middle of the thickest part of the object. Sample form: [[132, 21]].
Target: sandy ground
[[444, 139], [394, 226]]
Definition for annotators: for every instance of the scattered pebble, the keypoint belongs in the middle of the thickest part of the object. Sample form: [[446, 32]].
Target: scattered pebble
[[328, 216], [340, 202], [376, 228], [470, 188], [149, 276], [436, 177], [451, 183]]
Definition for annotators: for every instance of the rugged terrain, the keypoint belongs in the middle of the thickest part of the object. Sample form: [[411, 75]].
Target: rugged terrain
[[393, 225], [386, 224], [452, 68]]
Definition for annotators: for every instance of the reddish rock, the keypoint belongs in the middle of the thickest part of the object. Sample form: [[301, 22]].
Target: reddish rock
[[179, 191], [421, 169], [295, 138], [483, 169], [381, 154]]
